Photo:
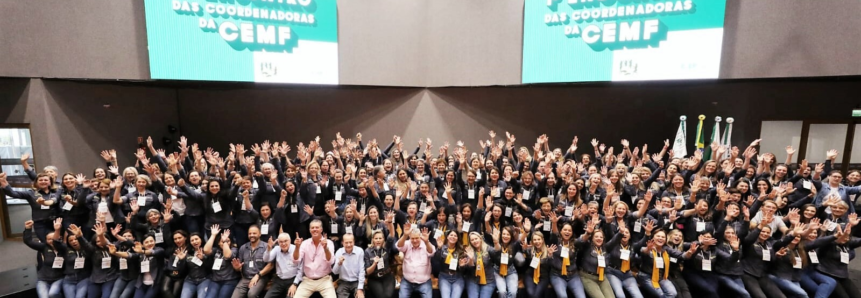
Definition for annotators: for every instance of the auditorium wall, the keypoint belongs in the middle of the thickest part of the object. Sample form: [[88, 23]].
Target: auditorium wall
[[421, 43]]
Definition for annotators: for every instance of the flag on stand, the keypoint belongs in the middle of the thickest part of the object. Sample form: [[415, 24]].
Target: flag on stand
[[680, 143], [715, 138]]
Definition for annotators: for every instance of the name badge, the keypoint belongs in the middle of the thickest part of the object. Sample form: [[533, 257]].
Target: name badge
[[477, 175], [844, 257], [638, 226], [526, 194], [294, 208], [159, 237], [106, 263], [334, 228], [216, 206], [386, 186], [103, 207], [381, 264], [806, 184], [659, 262], [254, 184], [701, 226], [564, 252], [495, 192], [58, 262], [196, 261], [349, 229], [569, 211], [251, 264], [674, 260], [707, 265], [437, 234], [470, 194], [423, 206], [145, 267], [338, 195], [264, 229], [797, 263], [814, 259], [141, 201], [503, 259], [547, 225], [535, 262], [508, 211], [216, 265], [45, 207], [766, 255], [601, 262], [124, 264], [79, 263], [318, 189], [626, 255], [67, 206], [466, 226], [452, 265]]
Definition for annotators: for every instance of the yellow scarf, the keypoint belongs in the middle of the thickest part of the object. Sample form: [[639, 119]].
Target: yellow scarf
[[480, 270], [600, 269], [655, 273], [565, 263], [448, 257], [503, 268], [626, 264], [537, 273], [465, 239]]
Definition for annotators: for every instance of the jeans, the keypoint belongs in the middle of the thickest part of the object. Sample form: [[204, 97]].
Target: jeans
[[49, 289], [703, 282], [102, 290], [532, 289], [620, 282], [475, 290], [845, 289], [346, 289], [189, 289], [667, 288], [123, 288], [221, 289], [816, 284], [407, 289], [450, 286], [75, 289], [790, 288], [562, 286], [733, 283], [193, 223], [506, 286]]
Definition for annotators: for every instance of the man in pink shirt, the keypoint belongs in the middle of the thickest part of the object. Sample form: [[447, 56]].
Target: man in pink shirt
[[316, 258], [417, 266]]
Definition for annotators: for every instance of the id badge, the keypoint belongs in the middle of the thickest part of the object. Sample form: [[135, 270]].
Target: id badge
[[124, 264], [814, 259], [79, 263], [466, 226], [569, 211], [601, 261], [638, 226], [564, 252], [547, 226], [159, 238], [535, 262], [334, 228], [381, 265], [503, 259], [349, 229], [264, 229], [701, 226], [508, 211], [58, 262], [144, 266], [626, 255], [216, 265], [844, 257], [453, 264], [766, 255], [67, 206], [470, 194], [197, 261], [707, 265], [437, 233], [338, 195], [216, 207], [797, 263], [106, 263], [526, 194]]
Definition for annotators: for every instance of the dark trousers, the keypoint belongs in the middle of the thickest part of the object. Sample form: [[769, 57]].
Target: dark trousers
[[761, 287], [704, 283], [845, 289], [170, 288], [380, 287], [279, 287], [681, 286]]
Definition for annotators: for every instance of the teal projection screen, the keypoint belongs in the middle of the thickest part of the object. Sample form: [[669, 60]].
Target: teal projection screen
[[621, 40], [278, 41]]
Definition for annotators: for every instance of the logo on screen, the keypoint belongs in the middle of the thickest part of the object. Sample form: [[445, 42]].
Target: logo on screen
[[628, 67], [268, 69]]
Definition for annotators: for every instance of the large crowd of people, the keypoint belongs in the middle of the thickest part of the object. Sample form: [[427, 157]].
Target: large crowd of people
[[359, 219]]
